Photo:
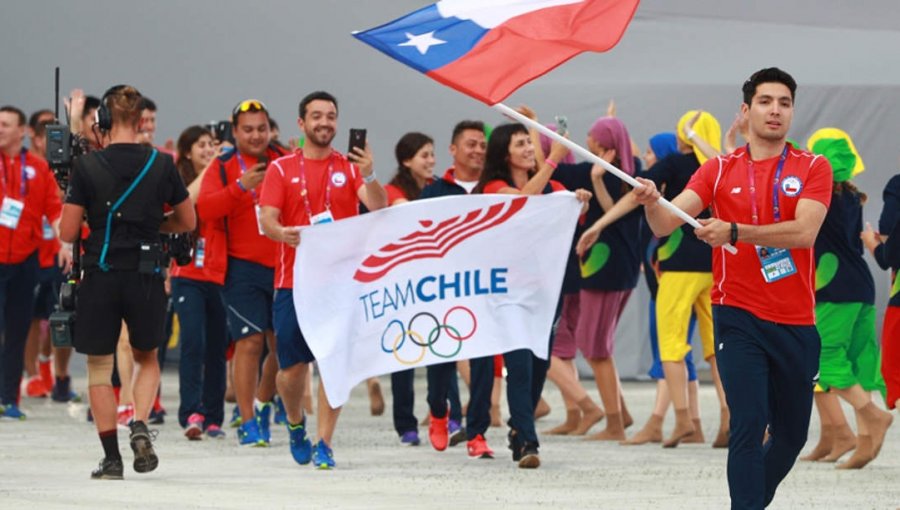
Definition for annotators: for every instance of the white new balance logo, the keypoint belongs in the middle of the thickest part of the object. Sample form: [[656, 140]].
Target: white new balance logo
[[735, 190]]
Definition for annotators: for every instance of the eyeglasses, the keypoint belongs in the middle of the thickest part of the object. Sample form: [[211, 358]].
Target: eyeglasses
[[249, 105]]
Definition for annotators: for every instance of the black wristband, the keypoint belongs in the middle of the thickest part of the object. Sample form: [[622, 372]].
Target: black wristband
[[734, 233]]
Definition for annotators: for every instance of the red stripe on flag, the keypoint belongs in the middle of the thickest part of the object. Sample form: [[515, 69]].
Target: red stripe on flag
[[530, 45]]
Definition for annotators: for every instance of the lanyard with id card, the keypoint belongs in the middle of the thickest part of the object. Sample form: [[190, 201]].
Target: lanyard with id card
[[775, 263], [11, 209], [325, 216], [256, 209]]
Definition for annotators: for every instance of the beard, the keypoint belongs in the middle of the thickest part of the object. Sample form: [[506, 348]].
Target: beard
[[320, 137]]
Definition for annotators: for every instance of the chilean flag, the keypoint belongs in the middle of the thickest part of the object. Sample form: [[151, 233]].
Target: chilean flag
[[489, 48]]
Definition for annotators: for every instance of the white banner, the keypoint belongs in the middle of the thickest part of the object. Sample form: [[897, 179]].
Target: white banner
[[431, 281]]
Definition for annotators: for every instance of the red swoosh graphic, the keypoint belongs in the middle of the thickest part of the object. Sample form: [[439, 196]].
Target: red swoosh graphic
[[437, 241]]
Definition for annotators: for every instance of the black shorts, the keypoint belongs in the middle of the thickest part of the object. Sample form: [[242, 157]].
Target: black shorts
[[106, 299]]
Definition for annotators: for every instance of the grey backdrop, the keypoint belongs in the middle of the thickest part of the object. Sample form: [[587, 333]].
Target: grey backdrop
[[198, 58]]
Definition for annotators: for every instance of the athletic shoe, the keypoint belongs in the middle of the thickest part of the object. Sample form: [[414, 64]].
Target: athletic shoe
[[194, 430], [12, 412], [62, 390], [145, 459], [280, 417], [323, 457], [513, 443], [528, 456], [248, 434], [214, 431], [35, 387], [46, 371], [157, 412], [125, 415], [478, 448], [263, 415], [301, 446], [437, 433], [456, 431], [109, 469], [236, 418], [410, 437]]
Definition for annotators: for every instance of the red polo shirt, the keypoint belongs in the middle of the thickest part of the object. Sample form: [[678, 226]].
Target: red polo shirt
[[724, 183], [333, 178], [227, 205], [35, 186]]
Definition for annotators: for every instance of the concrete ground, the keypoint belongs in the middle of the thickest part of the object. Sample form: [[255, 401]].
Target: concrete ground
[[45, 463]]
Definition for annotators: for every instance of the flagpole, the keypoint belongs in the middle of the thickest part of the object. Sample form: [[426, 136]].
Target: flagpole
[[593, 158]]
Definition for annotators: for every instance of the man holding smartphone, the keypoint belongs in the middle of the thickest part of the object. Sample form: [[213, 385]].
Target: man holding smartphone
[[314, 185], [229, 198]]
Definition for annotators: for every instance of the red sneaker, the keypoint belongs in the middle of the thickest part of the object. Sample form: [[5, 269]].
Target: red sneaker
[[34, 387], [125, 415], [479, 449], [46, 370], [438, 432]]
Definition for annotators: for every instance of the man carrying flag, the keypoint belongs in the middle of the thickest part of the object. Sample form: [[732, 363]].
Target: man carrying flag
[[763, 298], [314, 185]]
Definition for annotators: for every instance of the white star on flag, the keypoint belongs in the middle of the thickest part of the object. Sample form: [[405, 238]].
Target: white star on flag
[[422, 42]]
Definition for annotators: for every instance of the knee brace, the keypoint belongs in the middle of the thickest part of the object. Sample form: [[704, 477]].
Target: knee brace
[[100, 369]]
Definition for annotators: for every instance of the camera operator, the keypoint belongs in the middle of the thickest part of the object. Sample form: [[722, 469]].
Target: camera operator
[[29, 194], [122, 190]]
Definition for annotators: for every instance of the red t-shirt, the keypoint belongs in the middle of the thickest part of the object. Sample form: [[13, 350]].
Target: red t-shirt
[[214, 262], [394, 193], [497, 184], [724, 183], [37, 189], [283, 189], [221, 204]]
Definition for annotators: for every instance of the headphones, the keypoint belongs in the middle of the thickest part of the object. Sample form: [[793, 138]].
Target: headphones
[[103, 117]]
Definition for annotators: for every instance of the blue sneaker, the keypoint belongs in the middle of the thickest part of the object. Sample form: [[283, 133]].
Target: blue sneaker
[[248, 434], [457, 432], [411, 438], [236, 418], [263, 415], [12, 412], [280, 414], [301, 446], [323, 457]]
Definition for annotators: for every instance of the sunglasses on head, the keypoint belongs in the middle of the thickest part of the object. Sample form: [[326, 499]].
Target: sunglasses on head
[[249, 105]]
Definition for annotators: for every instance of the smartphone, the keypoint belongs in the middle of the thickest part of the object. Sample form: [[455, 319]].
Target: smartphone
[[357, 139], [562, 124], [223, 132], [264, 161]]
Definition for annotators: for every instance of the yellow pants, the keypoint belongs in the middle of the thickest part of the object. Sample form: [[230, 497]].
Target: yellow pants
[[679, 294]]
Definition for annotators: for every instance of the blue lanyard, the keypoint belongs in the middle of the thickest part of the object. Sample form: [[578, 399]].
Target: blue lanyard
[[109, 216], [22, 184], [776, 207], [243, 171]]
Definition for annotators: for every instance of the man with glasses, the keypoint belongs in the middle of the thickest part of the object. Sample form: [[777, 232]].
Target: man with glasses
[[229, 198]]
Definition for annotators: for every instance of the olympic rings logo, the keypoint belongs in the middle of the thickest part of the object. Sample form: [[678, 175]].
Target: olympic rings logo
[[427, 343]]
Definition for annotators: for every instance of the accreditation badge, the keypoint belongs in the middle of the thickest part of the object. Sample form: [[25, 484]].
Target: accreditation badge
[[11, 212], [775, 263]]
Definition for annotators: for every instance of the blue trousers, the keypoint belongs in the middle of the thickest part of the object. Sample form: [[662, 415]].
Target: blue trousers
[[404, 399], [768, 371], [17, 282], [525, 378], [203, 338], [443, 391]]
